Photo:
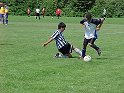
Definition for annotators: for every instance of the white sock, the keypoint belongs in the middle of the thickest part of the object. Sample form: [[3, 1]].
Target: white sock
[[78, 51], [62, 56]]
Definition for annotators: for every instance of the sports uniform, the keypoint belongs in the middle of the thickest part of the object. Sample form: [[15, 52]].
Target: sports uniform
[[37, 13], [63, 46], [90, 34], [2, 11], [58, 12], [6, 14], [43, 11], [28, 12]]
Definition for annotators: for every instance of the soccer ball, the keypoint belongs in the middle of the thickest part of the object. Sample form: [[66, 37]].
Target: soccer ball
[[87, 58]]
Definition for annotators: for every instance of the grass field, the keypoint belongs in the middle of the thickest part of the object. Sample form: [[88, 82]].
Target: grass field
[[27, 67]]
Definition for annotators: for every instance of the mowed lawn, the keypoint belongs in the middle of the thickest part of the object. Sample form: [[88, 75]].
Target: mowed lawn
[[27, 67]]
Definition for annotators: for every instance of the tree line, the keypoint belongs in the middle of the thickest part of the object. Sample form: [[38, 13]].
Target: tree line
[[70, 8]]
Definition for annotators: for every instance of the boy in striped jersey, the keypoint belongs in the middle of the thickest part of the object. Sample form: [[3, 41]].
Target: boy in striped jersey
[[63, 46]]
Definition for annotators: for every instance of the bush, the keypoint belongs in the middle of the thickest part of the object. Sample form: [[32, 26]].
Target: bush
[[70, 8]]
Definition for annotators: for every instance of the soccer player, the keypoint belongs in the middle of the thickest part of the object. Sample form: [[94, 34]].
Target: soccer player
[[37, 12], [91, 27], [43, 11], [0, 16], [6, 14], [63, 46], [28, 12], [58, 12], [2, 11]]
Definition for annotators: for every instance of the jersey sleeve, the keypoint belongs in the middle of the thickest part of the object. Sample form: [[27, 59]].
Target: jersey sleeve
[[96, 21], [82, 21], [55, 34]]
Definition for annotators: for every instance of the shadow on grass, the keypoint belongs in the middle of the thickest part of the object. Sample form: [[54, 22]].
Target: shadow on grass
[[6, 44], [76, 57], [101, 58]]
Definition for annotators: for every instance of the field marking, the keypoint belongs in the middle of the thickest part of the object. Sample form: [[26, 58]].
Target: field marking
[[115, 33]]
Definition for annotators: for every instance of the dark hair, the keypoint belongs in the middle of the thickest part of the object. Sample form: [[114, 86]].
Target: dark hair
[[61, 25], [88, 16]]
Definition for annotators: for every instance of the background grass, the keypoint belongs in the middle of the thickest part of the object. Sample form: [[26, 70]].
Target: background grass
[[27, 67]]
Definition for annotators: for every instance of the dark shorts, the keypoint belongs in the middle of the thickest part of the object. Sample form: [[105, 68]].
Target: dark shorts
[[65, 49], [6, 16], [1, 15], [37, 14], [58, 14], [86, 41]]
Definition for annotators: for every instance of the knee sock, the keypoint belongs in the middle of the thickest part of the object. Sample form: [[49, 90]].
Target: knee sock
[[83, 52], [95, 47], [62, 56], [78, 51], [6, 21]]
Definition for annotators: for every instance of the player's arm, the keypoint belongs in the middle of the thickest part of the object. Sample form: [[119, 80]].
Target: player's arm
[[99, 26], [82, 25], [82, 22], [50, 40], [102, 20]]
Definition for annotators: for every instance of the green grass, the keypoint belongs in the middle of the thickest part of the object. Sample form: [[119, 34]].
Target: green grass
[[27, 67]]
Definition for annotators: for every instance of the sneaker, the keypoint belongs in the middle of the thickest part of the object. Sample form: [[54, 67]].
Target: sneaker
[[57, 55], [99, 52], [71, 49]]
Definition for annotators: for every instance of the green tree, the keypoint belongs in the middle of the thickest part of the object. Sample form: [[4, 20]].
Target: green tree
[[115, 8]]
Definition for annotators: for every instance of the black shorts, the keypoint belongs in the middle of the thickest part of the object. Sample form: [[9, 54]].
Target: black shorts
[[37, 14], [65, 49], [86, 41]]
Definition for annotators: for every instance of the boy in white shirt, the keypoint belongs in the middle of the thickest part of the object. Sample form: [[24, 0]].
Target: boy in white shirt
[[91, 27], [37, 13]]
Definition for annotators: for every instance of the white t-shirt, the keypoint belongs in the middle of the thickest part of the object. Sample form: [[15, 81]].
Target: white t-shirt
[[90, 28], [37, 10]]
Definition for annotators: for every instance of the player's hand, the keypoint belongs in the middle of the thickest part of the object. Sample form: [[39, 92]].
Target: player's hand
[[97, 29], [44, 44]]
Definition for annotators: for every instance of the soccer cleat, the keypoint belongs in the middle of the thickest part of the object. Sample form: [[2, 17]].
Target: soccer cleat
[[57, 55], [71, 49], [99, 52]]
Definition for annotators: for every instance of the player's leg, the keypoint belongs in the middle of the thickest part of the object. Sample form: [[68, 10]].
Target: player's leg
[[3, 18], [85, 43], [43, 13], [39, 16], [76, 50], [6, 18], [58, 15], [91, 43], [60, 55], [36, 15], [65, 51], [0, 18]]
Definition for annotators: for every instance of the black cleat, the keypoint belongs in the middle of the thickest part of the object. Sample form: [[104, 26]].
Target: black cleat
[[57, 55], [99, 52]]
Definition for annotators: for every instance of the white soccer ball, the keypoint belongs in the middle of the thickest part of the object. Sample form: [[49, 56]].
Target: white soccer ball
[[87, 58]]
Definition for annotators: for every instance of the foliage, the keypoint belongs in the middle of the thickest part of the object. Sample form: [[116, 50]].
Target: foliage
[[115, 8]]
